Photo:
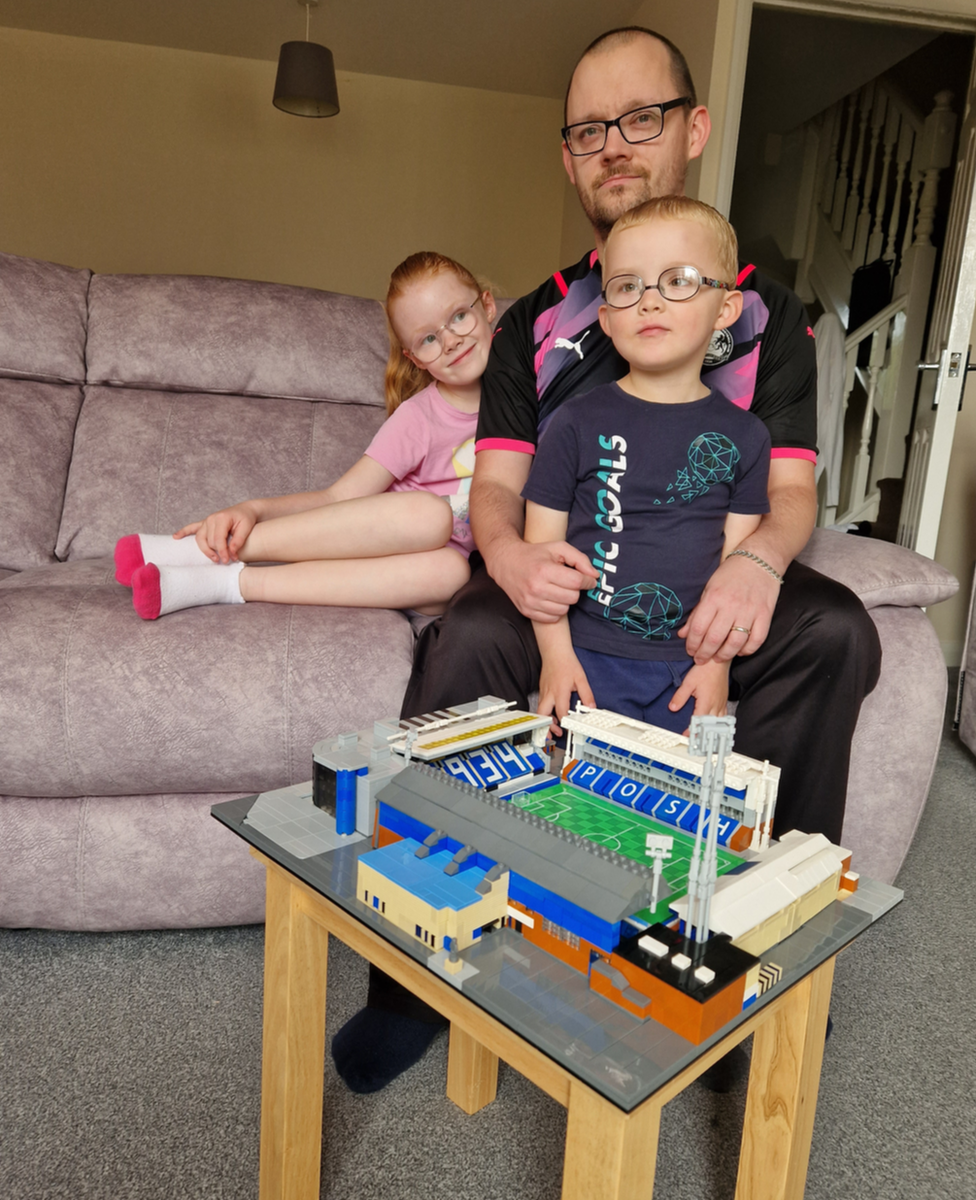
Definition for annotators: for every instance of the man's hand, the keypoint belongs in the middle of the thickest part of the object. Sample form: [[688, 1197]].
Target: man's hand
[[544, 579], [741, 592], [543, 575], [739, 596]]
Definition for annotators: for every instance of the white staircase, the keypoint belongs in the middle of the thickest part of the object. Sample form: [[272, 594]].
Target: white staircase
[[871, 182]]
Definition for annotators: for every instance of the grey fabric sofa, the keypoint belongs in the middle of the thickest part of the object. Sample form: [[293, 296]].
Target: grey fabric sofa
[[139, 403]]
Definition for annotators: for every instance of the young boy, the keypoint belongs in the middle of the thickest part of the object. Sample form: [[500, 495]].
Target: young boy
[[655, 478]]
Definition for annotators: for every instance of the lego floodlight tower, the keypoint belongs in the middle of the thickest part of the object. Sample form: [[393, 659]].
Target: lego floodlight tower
[[710, 738]]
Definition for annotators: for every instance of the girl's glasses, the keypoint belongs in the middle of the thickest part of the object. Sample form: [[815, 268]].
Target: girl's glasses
[[677, 283], [431, 346]]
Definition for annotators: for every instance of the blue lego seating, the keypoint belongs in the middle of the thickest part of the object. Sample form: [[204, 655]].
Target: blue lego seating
[[458, 766], [726, 827], [608, 780], [690, 817], [630, 792], [585, 775], [537, 764], [488, 766], [510, 760], [489, 773], [670, 809]]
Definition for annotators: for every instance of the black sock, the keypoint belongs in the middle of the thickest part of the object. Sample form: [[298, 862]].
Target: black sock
[[375, 1046]]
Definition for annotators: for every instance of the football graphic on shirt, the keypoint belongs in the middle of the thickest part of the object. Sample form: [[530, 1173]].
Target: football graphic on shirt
[[712, 459], [650, 610]]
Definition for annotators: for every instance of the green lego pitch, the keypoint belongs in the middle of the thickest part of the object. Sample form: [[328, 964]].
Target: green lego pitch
[[622, 829]]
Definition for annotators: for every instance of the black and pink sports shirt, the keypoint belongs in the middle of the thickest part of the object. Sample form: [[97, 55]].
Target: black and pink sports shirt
[[549, 346]]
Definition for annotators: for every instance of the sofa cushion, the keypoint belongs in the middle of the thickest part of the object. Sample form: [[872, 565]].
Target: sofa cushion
[[197, 334], [228, 698], [43, 320], [879, 572], [149, 462], [37, 425], [124, 862]]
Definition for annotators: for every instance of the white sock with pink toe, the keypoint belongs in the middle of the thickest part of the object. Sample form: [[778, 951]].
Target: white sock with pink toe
[[158, 590], [136, 549]]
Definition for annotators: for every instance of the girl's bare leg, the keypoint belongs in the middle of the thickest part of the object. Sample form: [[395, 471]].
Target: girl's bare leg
[[423, 580], [391, 523]]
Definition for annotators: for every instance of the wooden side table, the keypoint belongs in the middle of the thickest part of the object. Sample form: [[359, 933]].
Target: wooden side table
[[610, 1153]]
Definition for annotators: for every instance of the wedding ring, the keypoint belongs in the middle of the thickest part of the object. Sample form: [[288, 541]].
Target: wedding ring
[[741, 629]]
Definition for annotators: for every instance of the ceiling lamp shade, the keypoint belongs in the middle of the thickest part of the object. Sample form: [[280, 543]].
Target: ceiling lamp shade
[[306, 81]]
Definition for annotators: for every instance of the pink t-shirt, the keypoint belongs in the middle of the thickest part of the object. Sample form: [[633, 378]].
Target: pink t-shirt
[[428, 445]]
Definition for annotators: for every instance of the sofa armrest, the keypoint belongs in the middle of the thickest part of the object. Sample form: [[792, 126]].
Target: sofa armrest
[[879, 573], [897, 737]]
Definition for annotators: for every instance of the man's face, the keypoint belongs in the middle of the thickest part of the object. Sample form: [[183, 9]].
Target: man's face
[[607, 84]]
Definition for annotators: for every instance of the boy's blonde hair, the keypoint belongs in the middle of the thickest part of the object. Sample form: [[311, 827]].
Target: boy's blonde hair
[[403, 377], [683, 208]]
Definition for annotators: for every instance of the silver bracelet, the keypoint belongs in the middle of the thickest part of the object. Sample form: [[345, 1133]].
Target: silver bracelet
[[761, 561]]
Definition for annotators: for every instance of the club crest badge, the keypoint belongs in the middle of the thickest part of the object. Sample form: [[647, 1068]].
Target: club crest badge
[[719, 348]]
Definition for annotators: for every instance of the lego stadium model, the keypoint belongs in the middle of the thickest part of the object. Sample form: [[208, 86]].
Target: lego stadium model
[[645, 863]]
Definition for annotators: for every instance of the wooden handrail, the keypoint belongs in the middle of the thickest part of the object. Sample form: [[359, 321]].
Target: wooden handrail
[[874, 324]]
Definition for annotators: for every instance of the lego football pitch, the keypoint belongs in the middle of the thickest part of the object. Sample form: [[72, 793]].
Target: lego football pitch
[[622, 829]]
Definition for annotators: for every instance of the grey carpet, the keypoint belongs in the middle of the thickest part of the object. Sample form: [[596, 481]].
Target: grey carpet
[[130, 1067]]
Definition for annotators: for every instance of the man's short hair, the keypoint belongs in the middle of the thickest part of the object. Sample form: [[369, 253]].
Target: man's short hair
[[624, 36], [683, 208]]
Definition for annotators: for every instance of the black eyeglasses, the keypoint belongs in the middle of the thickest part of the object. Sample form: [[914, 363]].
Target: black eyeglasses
[[639, 125], [677, 283]]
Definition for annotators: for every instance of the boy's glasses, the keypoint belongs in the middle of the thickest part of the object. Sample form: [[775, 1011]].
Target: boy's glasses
[[677, 283], [639, 125], [431, 346]]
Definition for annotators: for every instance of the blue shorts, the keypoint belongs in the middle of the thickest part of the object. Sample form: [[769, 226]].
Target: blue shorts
[[637, 688]]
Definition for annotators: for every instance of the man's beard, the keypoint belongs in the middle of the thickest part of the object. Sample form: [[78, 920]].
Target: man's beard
[[603, 208]]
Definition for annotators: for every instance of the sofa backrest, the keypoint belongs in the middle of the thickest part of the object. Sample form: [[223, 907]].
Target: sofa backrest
[[232, 336], [138, 403], [43, 326], [203, 392]]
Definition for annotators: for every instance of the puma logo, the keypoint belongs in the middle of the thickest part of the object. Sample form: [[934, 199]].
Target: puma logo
[[566, 344]]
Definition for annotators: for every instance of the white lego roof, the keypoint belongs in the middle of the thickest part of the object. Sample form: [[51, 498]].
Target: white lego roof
[[789, 869], [670, 748]]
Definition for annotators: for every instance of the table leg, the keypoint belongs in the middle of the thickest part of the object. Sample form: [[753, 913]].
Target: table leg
[[295, 962], [610, 1154], [787, 1053], [472, 1072]]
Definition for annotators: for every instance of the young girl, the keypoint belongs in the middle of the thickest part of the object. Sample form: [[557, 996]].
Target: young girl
[[390, 533]]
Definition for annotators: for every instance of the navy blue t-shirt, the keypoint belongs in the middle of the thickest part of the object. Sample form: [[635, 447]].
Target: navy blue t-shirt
[[647, 488]]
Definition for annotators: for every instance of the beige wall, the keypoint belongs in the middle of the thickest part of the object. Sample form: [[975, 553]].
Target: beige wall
[[691, 25], [121, 157]]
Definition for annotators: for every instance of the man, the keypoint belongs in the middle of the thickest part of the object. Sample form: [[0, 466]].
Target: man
[[805, 652]]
